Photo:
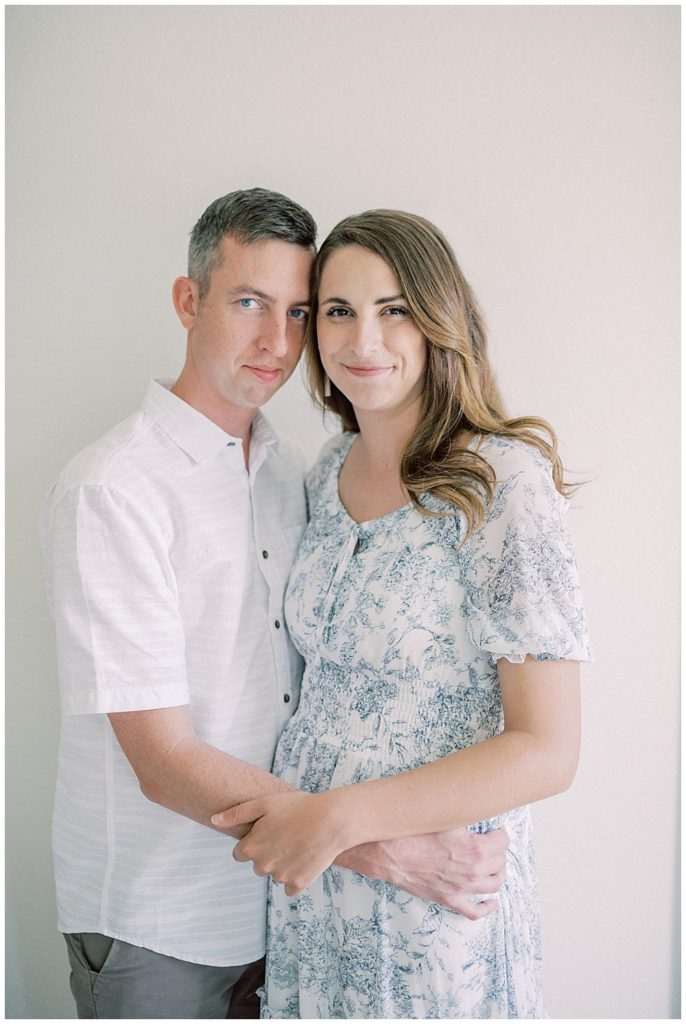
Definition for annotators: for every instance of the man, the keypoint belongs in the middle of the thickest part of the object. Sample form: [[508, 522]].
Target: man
[[168, 544]]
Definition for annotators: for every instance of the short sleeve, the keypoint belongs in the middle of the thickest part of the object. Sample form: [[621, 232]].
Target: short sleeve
[[120, 638], [522, 593]]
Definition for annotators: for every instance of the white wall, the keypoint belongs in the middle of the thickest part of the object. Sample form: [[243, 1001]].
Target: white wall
[[544, 142]]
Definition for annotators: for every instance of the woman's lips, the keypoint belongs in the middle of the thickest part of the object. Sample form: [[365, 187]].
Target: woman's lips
[[367, 371]]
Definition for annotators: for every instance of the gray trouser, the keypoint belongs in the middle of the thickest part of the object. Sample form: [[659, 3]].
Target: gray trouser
[[113, 979]]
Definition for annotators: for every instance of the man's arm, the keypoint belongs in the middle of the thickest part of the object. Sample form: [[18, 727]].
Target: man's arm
[[176, 769], [179, 771]]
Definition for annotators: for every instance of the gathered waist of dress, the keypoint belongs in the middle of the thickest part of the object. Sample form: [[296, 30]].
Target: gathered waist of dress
[[401, 716], [311, 759], [363, 748]]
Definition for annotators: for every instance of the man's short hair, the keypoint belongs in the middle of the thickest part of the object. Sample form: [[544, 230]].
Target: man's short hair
[[249, 215]]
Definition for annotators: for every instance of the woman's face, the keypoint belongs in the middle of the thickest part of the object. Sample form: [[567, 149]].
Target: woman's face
[[369, 344]]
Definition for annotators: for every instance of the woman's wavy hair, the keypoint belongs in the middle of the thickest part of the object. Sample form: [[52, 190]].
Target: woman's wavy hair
[[460, 392]]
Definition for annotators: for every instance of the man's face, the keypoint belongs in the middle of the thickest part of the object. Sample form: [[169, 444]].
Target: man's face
[[246, 335]]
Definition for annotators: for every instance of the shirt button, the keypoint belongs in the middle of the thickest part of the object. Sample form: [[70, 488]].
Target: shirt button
[[277, 624], [286, 698], [265, 554]]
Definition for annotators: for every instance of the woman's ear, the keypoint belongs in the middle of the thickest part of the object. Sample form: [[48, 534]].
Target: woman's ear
[[186, 298]]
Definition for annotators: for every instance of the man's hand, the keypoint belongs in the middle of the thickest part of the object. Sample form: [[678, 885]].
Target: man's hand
[[297, 835], [444, 867]]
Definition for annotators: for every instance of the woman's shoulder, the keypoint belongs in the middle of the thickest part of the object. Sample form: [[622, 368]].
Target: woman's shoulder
[[525, 490], [328, 463], [511, 457]]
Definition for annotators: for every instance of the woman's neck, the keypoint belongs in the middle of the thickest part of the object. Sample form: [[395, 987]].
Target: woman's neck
[[384, 436]]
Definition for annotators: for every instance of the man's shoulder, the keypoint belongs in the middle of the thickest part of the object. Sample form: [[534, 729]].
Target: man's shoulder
[[116, 460]]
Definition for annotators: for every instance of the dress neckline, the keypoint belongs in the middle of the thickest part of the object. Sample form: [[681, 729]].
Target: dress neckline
[[366, 524], [378, 521]]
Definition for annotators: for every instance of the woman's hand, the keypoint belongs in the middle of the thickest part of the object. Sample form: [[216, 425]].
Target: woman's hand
[[294, 838]]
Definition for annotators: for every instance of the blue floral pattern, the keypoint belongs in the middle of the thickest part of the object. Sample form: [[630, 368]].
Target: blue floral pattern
[[401, 626]]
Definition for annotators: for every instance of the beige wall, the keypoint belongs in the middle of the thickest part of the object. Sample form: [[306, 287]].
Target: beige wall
[[544, 141]]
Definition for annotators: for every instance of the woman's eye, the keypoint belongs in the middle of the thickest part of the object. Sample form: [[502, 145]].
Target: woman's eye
[[397, 311], [338, 311]]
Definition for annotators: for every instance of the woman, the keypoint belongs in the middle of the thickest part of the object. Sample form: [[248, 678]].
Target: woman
[[436, 603]]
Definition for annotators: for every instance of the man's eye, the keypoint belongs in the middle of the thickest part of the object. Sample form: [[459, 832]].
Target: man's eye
[[299, 314], [246, 303]]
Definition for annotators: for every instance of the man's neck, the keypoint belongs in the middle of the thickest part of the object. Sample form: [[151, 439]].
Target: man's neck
[[231, 418]]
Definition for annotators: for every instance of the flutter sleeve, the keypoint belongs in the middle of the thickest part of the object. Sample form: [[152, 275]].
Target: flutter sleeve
[[521, 585]]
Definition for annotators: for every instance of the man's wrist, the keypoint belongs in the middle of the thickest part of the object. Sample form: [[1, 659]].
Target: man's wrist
[[373, 860]]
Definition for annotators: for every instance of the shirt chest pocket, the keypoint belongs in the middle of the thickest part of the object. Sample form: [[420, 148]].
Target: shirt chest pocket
[[211, 555]]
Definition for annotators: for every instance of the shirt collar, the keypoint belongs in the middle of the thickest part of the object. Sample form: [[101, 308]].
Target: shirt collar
[[197, 435]]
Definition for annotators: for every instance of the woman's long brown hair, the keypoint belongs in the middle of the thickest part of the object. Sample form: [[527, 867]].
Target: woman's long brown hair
[[460, 392]]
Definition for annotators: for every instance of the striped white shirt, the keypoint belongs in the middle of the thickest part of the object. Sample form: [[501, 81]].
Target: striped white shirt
[[167, 563]]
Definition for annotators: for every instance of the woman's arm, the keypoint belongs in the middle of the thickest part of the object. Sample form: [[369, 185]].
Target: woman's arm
[[296, 836]]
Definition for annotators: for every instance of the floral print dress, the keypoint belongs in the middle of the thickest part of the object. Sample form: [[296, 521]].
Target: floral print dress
[[401, 627]]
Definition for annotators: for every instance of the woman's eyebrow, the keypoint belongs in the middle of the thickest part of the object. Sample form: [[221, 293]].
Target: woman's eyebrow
[[377, 302]]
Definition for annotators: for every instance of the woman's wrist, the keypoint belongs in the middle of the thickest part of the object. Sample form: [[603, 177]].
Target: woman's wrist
[[339, 808]]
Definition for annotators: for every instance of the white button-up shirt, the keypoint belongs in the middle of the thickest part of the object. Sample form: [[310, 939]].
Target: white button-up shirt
[[167, 563]]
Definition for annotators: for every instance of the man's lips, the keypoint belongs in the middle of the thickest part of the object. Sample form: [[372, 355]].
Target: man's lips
[[367, 371], [266, 374]]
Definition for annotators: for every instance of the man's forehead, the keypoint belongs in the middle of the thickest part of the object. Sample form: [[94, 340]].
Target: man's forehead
[[261, 247], [266, 266], [265, 253]]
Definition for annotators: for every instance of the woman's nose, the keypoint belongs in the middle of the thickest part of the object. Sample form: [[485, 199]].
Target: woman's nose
[[366, 335]]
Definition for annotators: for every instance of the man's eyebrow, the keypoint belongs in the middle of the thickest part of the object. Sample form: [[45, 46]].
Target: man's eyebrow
[[242, 289], [248, 289]]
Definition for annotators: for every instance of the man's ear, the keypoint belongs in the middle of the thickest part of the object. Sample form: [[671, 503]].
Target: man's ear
[[186, 298]]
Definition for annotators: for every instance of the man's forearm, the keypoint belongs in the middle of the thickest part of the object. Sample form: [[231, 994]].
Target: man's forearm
[[368, 859], [179, 771], [204, 780]]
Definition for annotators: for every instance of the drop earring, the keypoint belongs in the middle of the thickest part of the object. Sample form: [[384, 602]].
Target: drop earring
[[327, 386]]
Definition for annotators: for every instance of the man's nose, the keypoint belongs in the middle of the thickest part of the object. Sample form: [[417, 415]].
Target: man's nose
[[274, 336]]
